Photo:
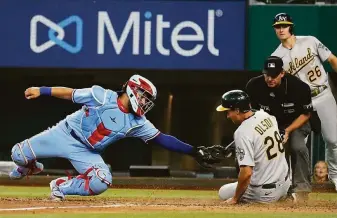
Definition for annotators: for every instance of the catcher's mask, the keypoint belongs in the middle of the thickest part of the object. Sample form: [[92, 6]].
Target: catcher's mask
[[142, 94]]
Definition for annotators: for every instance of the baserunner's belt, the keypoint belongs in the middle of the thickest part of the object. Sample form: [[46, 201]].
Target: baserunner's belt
[[270, 185], [317, 90]]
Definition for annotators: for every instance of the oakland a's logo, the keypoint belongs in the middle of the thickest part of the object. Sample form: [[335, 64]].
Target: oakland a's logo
[[282, 18], [240, 153]]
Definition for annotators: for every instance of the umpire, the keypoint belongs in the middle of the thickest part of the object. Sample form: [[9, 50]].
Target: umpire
[[289, 99]]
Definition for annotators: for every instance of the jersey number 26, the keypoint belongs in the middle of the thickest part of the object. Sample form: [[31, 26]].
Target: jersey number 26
[[270, 142]]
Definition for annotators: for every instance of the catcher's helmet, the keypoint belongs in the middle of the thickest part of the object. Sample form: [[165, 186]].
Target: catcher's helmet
[[235, 99], [142, 94]]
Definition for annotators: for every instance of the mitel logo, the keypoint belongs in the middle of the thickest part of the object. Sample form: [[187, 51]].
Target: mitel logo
[[133, 24], [153, 27], [58, 29]]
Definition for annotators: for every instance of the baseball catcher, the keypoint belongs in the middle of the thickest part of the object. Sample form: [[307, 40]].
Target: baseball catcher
[[105, 117]]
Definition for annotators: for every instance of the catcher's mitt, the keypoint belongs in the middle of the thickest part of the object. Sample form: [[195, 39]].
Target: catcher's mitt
[[204, 157], [207, 156], [220, 152]]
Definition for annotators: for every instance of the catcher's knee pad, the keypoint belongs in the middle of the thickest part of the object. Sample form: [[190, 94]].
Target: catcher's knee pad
[[23, 154], [100, 181], [227, 191]]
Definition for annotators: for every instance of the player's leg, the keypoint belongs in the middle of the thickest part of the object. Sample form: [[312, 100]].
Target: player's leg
[[94, 178], [25, 159], [300, 159], [50, 143], [269, 194], [327, 111], [227, 191]]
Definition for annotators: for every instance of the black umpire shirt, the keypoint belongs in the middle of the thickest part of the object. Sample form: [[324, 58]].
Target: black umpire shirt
[[286, 102]]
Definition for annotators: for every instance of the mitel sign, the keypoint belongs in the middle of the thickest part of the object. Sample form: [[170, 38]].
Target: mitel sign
[[151, 35]]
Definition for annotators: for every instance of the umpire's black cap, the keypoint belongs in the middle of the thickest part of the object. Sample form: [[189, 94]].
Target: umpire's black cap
[[273, 66]]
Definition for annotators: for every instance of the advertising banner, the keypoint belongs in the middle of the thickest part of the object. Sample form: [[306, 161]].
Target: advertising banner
[[123, 34]]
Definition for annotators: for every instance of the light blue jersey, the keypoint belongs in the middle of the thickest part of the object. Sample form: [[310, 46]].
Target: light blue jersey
[[101, 122], [81, 137]]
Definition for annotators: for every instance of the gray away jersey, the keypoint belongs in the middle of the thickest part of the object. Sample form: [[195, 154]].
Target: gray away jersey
[[305, 60], [258, 144]]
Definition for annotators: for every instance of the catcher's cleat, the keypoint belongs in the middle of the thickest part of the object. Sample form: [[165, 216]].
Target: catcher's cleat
[[56, 194], [20, 172]]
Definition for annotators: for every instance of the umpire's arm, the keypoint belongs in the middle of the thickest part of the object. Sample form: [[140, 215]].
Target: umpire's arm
[[305, 106]]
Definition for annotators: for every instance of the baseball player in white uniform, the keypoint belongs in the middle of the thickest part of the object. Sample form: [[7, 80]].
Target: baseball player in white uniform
[[263, 176], [303, 57]]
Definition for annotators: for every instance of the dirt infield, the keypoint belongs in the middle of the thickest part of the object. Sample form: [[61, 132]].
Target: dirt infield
[[15, 204], [117, 205]]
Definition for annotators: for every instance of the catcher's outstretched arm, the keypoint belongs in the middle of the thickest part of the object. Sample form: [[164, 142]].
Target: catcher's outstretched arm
[[58, 92], [173, 144], [62, 92], [200, 154]]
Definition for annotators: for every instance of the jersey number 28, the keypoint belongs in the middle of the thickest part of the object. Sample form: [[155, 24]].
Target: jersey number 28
[[270, 142]]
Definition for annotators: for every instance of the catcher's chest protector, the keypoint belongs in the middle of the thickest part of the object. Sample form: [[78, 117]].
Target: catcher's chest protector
[[106, 124]]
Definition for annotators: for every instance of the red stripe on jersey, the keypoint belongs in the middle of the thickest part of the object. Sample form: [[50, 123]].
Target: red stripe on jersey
[[99, 134]]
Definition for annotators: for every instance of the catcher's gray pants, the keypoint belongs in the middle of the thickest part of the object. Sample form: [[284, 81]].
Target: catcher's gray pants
[[258, 194], [299, 158]]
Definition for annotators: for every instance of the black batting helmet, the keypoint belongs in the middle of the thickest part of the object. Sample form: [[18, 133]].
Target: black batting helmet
[[283, 19], [235, 99]]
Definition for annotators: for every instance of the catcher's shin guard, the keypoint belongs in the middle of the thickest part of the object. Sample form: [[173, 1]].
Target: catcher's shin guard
[[24, 156], [93, 182]]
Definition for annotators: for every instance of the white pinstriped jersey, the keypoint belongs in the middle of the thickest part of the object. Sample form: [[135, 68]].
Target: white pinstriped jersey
[[259, 144], [305, 60]]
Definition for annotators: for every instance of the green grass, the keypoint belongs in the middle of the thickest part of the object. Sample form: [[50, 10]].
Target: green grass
[[324, 196]]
